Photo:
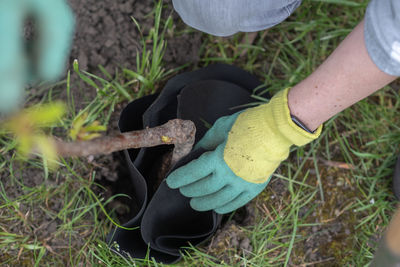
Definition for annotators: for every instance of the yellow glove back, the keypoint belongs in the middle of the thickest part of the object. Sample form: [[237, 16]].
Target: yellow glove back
[[261, 137]]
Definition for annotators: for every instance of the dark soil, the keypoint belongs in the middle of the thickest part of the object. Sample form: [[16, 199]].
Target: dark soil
[[106, 35]]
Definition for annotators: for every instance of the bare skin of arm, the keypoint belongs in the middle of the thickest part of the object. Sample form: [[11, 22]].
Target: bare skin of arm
[[346, 76]]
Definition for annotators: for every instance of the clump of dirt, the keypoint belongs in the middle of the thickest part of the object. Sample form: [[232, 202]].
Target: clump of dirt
[[105, 33], [230, 240], [183, 49]]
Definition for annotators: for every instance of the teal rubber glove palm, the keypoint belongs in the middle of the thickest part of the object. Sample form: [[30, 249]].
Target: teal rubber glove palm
[[244, 151], [208, 180], [54, 31]]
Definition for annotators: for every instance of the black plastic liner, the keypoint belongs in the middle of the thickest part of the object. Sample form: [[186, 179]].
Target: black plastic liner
[[165, 219]]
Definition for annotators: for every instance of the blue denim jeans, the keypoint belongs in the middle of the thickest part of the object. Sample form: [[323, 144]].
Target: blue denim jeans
[[227, 17]]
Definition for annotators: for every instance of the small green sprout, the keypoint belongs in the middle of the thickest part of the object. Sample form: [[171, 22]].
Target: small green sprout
[[81, 132], [28, 128]]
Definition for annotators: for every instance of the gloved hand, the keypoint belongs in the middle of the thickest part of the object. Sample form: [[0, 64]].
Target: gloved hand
[[244, 149], [54, 30]]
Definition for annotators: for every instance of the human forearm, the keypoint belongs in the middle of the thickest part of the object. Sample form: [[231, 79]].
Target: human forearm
[[346, 76]]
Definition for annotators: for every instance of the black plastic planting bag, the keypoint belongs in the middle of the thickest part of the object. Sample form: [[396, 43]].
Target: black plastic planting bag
[[166, 222]]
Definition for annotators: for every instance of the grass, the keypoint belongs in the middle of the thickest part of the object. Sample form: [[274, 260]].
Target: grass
[[331, 198]]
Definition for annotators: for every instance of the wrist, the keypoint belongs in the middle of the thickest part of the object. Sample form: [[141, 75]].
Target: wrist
[[300, 124], [298, 133], [302, 107]]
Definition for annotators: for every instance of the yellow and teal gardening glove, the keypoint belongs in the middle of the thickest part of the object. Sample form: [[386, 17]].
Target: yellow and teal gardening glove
[[244, 149], [48, 51]]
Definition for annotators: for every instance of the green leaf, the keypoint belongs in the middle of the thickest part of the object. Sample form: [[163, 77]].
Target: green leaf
[[45, 115], [47, 149], [77, 125], [95, 128]]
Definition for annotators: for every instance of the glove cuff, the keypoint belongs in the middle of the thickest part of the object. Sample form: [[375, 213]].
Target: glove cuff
[[260, 139], [281, 114]]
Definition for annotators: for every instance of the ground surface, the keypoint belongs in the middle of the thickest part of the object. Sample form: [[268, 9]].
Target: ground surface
[[106, 35], [326, 206]]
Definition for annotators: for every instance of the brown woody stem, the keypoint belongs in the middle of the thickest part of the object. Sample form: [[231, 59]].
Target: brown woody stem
[[181, 133]]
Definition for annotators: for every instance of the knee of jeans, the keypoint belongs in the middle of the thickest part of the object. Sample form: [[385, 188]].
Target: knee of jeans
[[267, 14], [290, 8], [216, 17], [226, 17]]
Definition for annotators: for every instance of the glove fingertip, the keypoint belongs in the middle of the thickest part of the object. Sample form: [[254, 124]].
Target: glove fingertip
[[10, 103], [172, 182], [196, 205], [11, 94], [56, 42], [223, 210], [217, 133], [201, 144]]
